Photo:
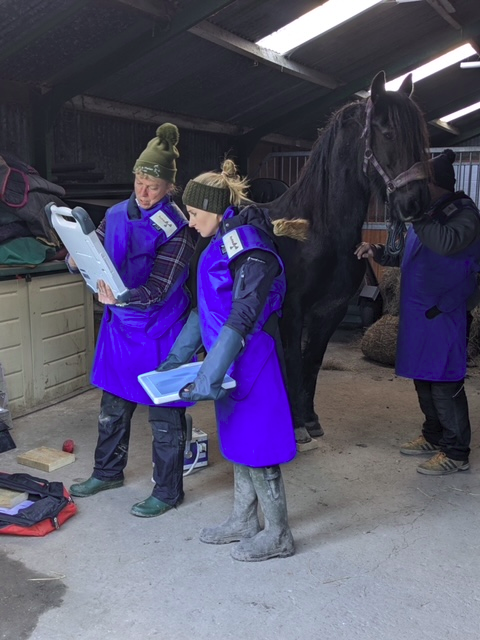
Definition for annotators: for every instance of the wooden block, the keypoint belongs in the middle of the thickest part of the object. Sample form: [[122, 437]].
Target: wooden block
[[307, 446], [9, 498], [46, 459]]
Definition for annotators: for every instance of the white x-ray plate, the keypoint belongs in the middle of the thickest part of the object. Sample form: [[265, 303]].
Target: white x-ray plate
[[77, 232], [164, 386]]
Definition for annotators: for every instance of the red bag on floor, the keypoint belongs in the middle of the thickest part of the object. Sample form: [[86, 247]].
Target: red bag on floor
[[52, 505]]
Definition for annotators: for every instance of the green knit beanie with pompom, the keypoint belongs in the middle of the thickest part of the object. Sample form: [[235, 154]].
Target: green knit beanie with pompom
[[158, 160]]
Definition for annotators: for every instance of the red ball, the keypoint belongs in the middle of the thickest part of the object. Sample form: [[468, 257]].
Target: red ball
[[68, 446]]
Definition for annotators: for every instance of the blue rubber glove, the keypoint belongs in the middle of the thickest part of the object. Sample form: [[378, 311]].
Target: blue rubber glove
[[188, 341], [208, 383]]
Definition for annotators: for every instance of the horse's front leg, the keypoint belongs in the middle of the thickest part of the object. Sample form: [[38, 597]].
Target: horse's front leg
[[324, 318]]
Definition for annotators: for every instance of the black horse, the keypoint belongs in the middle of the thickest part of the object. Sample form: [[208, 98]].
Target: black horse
[[372, 148]]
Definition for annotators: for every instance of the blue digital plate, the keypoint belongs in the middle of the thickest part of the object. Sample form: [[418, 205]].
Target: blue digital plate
[[164, 386]]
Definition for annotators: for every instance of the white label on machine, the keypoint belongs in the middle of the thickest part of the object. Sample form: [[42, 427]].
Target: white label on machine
[[163, 222]]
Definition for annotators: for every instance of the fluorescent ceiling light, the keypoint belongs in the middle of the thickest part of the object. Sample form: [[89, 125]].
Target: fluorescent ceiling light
[[314, 23], [461, 112], [446, 60]]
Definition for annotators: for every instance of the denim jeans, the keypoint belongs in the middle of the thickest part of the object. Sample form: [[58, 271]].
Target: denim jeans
[[447, 423]]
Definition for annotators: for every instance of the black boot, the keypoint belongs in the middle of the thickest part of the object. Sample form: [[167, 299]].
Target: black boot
[[275, 541], [243, 522]]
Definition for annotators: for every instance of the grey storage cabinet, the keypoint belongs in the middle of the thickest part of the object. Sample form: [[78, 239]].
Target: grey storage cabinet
[[46, 335]]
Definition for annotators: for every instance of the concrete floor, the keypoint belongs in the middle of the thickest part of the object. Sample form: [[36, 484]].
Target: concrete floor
[[382, 551]]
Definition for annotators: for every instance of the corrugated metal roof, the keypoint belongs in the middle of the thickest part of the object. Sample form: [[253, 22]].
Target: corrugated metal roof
[[51, 43]]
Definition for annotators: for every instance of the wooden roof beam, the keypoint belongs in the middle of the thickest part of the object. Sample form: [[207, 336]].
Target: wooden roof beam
[[445, 126], [323, 104], [230, 41], [444, 9], [99, 68], [113, 109], [208, 31]]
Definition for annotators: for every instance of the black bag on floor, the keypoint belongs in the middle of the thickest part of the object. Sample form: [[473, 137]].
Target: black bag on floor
[[52, 506]]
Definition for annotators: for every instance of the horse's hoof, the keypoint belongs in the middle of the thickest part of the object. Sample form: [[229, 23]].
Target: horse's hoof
[[314, 429], [302, 436]]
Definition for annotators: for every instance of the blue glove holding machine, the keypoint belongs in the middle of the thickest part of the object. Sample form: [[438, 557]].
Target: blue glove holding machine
[[208, 383]]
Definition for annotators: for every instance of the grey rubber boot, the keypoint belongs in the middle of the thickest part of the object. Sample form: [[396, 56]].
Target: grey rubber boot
[[276, 540], [243, 522]]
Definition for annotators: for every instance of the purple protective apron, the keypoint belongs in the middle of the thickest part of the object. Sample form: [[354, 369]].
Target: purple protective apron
[[133, 341], [434, 350], [255, 425]]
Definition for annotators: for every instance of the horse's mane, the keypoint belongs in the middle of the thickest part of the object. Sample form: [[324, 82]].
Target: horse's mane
[[310, 191]]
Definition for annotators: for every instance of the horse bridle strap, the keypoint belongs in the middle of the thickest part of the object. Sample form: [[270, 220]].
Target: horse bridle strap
[[415, 172]]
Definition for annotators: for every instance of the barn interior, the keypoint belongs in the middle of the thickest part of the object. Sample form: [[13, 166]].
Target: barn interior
[[381, 552]]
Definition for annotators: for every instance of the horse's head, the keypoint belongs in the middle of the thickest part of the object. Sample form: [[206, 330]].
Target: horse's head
[[396, 143]]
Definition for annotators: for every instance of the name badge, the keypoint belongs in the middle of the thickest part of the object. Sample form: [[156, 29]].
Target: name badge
[[163, 223], [232, 243]]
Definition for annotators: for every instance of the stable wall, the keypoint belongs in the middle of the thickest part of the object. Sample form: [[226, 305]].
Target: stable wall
[[111, 143]]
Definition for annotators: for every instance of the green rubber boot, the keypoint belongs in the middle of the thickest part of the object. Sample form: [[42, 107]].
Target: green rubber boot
[[150, 508], [92, 486], [243, 522]]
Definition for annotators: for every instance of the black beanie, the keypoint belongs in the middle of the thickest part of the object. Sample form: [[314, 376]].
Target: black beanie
[[442, 167]]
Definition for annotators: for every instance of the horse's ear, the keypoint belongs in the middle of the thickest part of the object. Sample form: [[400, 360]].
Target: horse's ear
[[377, 87], [407, 85]]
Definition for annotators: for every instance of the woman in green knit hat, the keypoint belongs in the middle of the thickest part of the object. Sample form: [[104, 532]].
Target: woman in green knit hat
[[148, 240]]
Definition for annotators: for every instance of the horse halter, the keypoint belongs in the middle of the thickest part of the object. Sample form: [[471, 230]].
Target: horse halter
[[416, 171], [396, 232]]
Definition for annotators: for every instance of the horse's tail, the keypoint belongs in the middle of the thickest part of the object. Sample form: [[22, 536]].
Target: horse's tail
[[297, 228]]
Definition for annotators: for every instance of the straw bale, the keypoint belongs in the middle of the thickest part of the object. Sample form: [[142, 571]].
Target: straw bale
[[379, 342], [389, 285]]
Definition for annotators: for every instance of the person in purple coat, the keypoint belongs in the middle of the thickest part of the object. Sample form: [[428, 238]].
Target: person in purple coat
[[438, 287], [148, 239], [240, 291]]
